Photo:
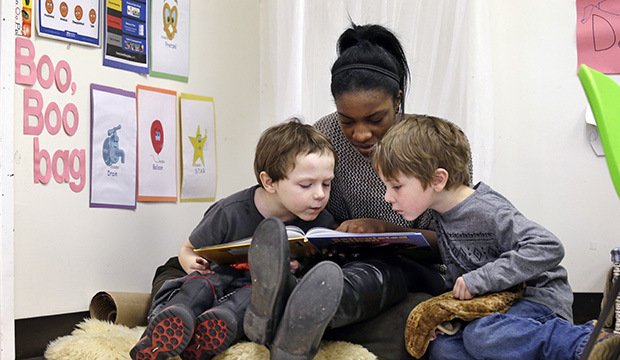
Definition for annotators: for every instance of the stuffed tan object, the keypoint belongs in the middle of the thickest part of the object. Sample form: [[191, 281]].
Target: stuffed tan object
[[430, 314]]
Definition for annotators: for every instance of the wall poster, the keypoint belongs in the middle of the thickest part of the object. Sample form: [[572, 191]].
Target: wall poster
[[113, 148], [198, 155], [70, 20], [157, 145], [598, 35], [170, 39], [126, 35]]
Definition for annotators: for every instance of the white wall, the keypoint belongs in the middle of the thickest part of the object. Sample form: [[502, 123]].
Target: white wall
[[543, 161], [64, 251]]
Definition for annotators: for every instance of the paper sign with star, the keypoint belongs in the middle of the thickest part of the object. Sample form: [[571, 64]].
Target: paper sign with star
[[198, 177]]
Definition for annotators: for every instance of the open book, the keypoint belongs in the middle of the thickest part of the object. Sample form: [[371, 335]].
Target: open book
[[316, 238]]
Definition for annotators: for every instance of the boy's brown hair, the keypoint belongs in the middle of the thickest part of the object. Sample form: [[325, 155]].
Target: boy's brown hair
[[421, 144], [279, 146]]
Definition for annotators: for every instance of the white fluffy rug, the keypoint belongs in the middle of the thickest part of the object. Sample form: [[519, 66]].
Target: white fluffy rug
[[96, 340]]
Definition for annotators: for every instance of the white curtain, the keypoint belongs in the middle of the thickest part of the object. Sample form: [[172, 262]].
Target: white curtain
[[448, 47]]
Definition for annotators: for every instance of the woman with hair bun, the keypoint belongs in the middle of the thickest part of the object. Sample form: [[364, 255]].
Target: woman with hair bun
[[369, 83]]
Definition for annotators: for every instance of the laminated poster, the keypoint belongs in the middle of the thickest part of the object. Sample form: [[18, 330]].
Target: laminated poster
[[598, 35], [126, 35], [170, 39], [24, 18], [69, 20], [198, 178], [114, 148], [157, 135]]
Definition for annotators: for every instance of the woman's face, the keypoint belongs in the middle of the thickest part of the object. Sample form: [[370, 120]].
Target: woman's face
[[365, 116]]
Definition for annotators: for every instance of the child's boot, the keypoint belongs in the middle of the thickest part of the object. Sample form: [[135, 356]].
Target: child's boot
[[169, 332], [218, 327], [272, 281], [309, 309]]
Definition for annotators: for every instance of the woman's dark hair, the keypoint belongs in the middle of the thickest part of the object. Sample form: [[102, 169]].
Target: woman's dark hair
[[372, 45]]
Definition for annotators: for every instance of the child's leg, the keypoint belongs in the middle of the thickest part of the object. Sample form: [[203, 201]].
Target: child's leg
[[218, 327], [309, 308], [170, 330], [448, 347], [526, 331], [269, 258]]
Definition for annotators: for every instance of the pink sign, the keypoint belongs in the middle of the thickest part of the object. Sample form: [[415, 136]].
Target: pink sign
[[598, 35]]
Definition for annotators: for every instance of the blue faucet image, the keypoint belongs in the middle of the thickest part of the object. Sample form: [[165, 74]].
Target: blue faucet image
[[111, 152]]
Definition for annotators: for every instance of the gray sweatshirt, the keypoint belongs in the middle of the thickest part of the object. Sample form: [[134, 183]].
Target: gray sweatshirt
[[493, 246]]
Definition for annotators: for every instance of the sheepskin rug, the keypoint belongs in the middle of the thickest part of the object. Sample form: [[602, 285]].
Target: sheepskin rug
[[96, 339]]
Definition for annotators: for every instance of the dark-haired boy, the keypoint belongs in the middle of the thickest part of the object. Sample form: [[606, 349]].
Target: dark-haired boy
[[201, 314]]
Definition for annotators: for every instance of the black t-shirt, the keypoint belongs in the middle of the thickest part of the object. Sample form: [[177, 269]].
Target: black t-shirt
[[236, 217]]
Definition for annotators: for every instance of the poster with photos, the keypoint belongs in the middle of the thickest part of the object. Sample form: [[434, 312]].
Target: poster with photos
[[198, 155], [24, 18], [126, 43], [157, 144], [170, 39], [114, 148], [70, 20]]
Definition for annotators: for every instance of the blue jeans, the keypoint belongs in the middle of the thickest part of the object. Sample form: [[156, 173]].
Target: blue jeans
[[526, 331]]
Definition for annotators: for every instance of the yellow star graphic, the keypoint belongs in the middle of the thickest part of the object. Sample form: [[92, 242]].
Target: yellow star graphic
[[198, 143]]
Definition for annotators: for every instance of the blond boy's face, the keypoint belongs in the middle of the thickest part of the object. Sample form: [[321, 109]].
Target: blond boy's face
[[407, 196], [305, 191]]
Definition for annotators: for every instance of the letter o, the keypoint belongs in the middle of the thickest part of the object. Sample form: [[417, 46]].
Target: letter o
[[70, 107], [45, 83], [62, 87], [53, 130]]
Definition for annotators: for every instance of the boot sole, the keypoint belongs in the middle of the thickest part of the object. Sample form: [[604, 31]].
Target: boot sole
[[168, 335], [309, 309], [215, 331], [269, 267]]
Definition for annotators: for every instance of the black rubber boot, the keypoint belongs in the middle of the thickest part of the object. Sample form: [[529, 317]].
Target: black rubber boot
[[218, 327], [170, 331], [272, 281], [309, 309], [370, 287]]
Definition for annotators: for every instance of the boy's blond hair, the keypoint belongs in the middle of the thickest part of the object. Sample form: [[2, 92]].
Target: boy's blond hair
[[421, 144], [279, 146]]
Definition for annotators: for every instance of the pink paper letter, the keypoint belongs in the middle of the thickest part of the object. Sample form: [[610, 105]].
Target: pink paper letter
[[80, 173], [70, 108], [28, 61], [62, 87], [45, 83], [38, 155], [34, 111], [64, 156], [53, 130]]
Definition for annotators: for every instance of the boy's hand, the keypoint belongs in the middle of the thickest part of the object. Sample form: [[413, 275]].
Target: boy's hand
[[201, 265], [460, 290], [433, 335], [295, 266]]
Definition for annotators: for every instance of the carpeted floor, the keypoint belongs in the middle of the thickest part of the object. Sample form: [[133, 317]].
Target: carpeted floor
[[95, 340]]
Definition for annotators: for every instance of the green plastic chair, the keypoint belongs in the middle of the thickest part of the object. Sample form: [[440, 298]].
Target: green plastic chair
[[603, 94]]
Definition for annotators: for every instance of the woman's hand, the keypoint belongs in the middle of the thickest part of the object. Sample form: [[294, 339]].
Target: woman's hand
[[366, 226], [460, 290]]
